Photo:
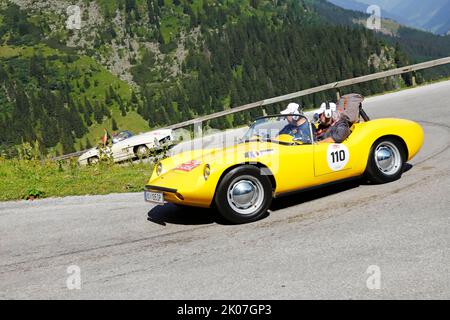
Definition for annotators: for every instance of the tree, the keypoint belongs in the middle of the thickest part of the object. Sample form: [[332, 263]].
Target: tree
[[114, 125], [87, 120], [67, 141], [401, 60], [134, 98], [86, 83], [98, 113], [88, 143], [130, 5], [88, 106]]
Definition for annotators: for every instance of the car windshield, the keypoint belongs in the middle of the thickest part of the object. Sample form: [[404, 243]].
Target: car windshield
[[122, 135], [290, 129]]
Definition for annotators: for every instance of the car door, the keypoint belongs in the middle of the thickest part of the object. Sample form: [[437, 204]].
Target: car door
[[122, 150], [295, 168], [333, 161]]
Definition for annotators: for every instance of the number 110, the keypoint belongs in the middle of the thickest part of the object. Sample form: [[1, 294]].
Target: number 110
[[338, 156]]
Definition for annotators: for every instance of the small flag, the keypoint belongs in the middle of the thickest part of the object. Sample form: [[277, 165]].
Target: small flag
[[105, 137]]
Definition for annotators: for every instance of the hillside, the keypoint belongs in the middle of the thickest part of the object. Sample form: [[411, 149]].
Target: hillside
[[141, 64]]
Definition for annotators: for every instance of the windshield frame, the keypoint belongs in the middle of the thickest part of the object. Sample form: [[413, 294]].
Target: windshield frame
[[311, 133]]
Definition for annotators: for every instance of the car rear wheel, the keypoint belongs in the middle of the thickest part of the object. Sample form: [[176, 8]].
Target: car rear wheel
[[386, 160], [142, 151], [243, 195]]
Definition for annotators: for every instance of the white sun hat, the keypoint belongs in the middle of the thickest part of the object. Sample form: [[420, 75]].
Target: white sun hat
[[292, 108]]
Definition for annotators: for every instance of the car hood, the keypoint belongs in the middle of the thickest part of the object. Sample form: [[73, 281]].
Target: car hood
[[185, 171], [148, 137], [243, 152]]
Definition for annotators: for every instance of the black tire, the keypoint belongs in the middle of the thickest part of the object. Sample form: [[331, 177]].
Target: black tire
[[376, 171], [258, 186]]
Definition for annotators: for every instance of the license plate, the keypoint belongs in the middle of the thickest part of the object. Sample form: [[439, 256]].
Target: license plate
[[155, 197]]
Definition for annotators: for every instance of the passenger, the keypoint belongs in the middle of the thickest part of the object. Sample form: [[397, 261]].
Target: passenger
[[333, 126], [324, 117], [297, 127]]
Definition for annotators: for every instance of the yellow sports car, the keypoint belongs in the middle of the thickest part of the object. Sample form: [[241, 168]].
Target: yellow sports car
[[241, 180]]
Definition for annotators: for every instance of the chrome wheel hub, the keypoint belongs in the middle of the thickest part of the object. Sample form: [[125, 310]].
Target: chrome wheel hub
[[245, 195], [142, 151], [388, 158]]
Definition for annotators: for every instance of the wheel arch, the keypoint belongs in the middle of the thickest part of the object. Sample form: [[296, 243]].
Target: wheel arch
[[391, 136], [395, 137], [139, 145], [91, 158]]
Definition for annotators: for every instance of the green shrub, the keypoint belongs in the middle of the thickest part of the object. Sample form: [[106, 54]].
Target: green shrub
[[33, 193]]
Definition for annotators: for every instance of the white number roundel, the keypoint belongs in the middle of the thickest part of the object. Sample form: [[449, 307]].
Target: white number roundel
[[337, 156]]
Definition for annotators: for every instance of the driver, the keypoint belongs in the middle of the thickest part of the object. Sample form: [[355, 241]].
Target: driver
[[297, 127]]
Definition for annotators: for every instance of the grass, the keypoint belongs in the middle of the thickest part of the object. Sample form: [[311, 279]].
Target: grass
[[169, 28], [7, 52], [31, 179], [108, 5]]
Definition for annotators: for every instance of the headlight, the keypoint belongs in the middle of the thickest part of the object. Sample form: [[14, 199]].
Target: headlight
[[206, 171], [159, 169]]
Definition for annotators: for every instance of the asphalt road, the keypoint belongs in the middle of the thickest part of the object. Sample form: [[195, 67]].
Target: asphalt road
[[312, 245]]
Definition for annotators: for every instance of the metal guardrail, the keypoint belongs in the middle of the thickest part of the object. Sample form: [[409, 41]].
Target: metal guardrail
[[290, 96], [69, 156]]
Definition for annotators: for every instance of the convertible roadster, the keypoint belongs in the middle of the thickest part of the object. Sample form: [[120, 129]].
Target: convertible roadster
[[240, 181]]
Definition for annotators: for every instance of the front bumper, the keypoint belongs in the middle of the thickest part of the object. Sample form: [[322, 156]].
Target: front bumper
[[184, 188], [170, 195]]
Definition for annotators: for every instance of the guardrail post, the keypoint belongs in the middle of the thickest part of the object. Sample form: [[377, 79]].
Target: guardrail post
[[198, 129], [197, 142]]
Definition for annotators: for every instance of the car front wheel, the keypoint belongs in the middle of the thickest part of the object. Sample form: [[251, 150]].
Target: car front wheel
[[386, 160], [93, 160], [244, 195]]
